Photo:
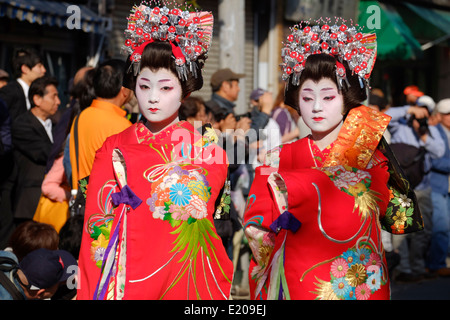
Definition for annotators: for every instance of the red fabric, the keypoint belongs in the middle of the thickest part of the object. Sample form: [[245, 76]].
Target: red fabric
[[150, 241], [308, 253]]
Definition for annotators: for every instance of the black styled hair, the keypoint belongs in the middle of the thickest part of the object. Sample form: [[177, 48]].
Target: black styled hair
[[39, 87], [320, 66], [108, 78], [190, 107], [28, 57], [157, 55]]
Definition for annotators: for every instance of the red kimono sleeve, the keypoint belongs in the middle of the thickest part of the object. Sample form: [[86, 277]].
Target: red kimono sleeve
[[98, 221]]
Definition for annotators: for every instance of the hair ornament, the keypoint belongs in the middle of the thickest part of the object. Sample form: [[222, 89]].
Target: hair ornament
[[341, 74], [343, 42], [189, 33]]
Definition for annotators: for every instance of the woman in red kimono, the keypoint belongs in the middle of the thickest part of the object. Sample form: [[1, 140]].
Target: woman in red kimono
[[330, 191], [156, 187]]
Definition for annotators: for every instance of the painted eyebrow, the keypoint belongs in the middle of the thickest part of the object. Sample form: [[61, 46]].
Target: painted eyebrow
[[323, 89], [162, 80]]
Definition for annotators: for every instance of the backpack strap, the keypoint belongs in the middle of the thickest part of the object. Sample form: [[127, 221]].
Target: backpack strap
[[5, 281], [75, 137]]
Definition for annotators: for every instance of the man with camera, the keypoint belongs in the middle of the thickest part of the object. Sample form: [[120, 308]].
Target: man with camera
[[415, 144]]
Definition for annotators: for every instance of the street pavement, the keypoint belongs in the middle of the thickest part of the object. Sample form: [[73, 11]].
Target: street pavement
[[430, 289]]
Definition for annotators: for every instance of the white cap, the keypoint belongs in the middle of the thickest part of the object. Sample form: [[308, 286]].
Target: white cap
[[443, 106], [426, 101]]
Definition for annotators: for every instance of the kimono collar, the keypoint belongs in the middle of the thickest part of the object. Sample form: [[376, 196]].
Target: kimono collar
[[358, 138], [144, 135]]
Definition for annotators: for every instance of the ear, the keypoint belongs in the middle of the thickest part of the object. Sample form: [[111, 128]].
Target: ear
[[24, 68], [225, 85], [37, 99], [125, 92], [40, 293]]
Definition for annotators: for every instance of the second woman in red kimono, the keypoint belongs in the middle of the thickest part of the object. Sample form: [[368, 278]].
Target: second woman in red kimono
[[314, 211]]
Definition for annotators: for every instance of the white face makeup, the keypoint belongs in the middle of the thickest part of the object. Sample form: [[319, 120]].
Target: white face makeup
[[321, 107], [159, 97]]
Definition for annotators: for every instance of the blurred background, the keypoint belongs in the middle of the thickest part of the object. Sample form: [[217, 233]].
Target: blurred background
[[413, 38]]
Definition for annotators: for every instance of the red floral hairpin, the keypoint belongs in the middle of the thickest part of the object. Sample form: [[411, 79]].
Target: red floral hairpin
[[189, 33], [341, 41]]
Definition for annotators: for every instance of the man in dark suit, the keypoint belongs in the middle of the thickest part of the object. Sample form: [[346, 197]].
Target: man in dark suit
[[26, 66], [32, 140]]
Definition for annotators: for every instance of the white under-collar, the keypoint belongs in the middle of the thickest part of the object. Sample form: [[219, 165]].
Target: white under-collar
[[25, 88], [47, 126]]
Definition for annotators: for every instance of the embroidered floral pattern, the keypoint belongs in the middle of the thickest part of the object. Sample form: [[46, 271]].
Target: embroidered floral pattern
[[210, 136], [180, 195], [356, 274], [224, 206], [100, 243], [272, 157], [400, 215], [356, 183], [99, 225], [261, 242]]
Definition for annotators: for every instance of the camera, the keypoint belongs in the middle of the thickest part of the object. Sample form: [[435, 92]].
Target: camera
[[423, 126], [428, 103]]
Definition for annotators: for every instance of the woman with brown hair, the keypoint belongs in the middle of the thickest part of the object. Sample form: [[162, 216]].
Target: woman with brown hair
[[314, 212], [156, 187], [31, 235]]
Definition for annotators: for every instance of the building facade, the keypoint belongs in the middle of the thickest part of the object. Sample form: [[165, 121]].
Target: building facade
[[413, 38]]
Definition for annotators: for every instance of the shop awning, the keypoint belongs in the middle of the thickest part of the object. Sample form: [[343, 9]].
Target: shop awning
[[395, 41], [430, 26], [52, 13]]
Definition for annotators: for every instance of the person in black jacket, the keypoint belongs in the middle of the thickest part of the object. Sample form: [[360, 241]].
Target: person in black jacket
[[32, 140], [5, 158], [27, 66]]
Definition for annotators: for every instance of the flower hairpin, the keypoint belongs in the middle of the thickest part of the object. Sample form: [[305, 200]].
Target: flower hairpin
[[343, 42], [189, 33]]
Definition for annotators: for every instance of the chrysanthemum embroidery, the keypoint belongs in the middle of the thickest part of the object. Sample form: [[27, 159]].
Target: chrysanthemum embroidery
[[339, 268], [180, 195], [355, 274], [355, 183]]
